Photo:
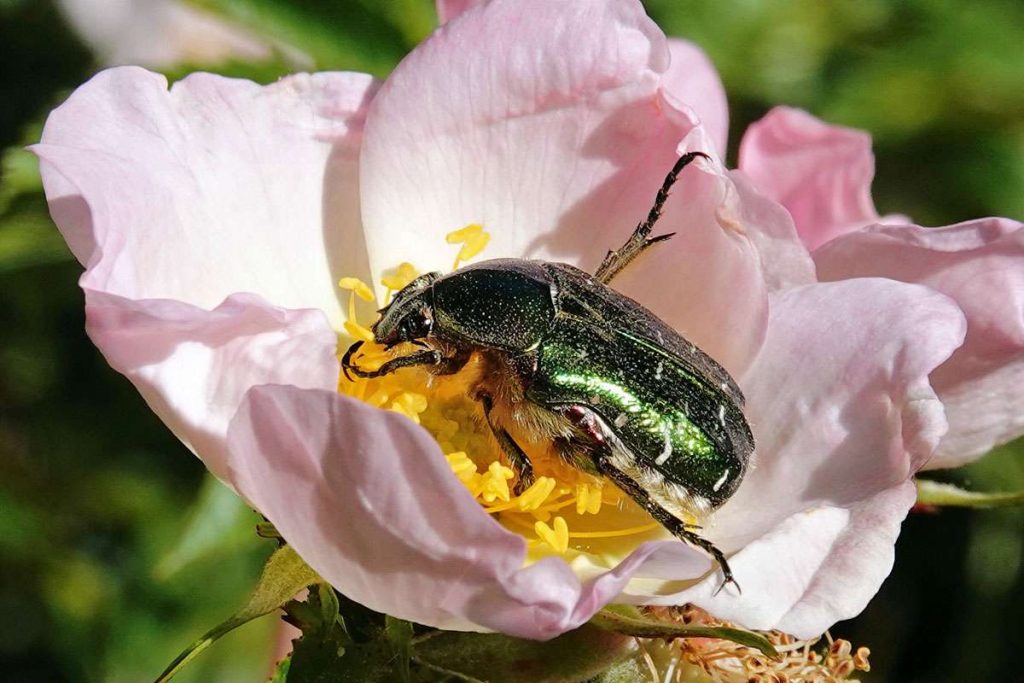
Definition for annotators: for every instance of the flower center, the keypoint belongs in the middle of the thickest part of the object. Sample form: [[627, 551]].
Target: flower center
[[564, 512]]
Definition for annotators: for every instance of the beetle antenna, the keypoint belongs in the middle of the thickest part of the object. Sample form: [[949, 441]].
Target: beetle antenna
[[617, 259]]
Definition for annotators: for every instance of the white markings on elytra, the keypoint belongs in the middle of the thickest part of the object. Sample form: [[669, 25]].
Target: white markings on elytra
[[659, 370], [720, 482], [721, 414], [621, 419], [666, 450]]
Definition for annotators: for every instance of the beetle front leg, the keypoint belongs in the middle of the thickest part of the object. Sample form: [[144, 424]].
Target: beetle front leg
[[517, 458], [617, 259], [432, 357], [676, 526]]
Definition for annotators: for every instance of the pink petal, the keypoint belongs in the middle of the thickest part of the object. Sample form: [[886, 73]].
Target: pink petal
[[842, 415], [980, 264], [194, 366], [820, 173], [692, 81], [176, 201], [558, 152], [367, 499], [839, 399], [214, 187], [813, 569], [785, 261], [449, 9]]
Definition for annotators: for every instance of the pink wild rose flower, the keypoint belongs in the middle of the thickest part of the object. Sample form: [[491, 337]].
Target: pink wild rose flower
[[216, 218]]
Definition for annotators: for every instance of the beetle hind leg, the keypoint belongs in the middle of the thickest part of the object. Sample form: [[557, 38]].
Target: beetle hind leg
[[617, 259], [680, 529]]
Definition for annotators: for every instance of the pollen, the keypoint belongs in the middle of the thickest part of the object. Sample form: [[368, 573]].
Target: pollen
[[564, 512]]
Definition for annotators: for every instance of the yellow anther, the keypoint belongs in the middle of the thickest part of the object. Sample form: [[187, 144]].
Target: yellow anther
[[400, 277], [357, 287], [473, 246], [588, 499], [495, 483], [410, 404], [463, 234], [460, 462], [357, 331], [556, 535], [473, 238], [533, 497]]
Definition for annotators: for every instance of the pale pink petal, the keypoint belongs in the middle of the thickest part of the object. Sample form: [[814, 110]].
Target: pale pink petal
[[839, 399], [214, 187], [813, 569], [176, 201], [980, 264], [449, 9], [193, 366], [368, 500], [692, 81], [785, 261], [558, 154], [820, 173]]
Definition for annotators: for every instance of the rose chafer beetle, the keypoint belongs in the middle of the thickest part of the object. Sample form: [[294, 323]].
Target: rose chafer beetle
[[616, 391]]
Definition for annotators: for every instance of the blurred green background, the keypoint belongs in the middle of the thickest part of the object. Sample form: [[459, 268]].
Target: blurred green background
[[116, 550]]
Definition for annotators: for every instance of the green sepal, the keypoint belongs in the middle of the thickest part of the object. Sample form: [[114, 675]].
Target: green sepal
[[572, 657], [280, 674], [284, 575], [937, 493], [627, 671], [628, 620]]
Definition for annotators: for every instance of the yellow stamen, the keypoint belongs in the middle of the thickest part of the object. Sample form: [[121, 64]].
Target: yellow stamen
[[588, 499], [544, 511], [642, 529], [556, 536], [357, 287], [495, 483], [473, 240]]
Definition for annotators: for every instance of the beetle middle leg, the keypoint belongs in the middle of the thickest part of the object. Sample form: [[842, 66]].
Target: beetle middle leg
[[676, 526], [517, 458], [617, 259]]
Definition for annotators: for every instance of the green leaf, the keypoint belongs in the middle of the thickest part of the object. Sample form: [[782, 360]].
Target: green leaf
[[937, 493], [574, 656], [218, 522], [284, 575], [399, 634], [629, 620], [337, 35], [28, 237], [19, 173]]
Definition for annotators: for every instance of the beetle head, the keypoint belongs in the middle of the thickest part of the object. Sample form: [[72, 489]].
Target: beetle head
[[410, 315]]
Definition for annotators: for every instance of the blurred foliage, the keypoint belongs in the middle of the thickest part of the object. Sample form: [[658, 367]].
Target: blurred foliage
[[116, 551]]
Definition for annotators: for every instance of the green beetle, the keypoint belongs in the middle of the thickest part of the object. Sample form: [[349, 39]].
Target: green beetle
[[617, 391]]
